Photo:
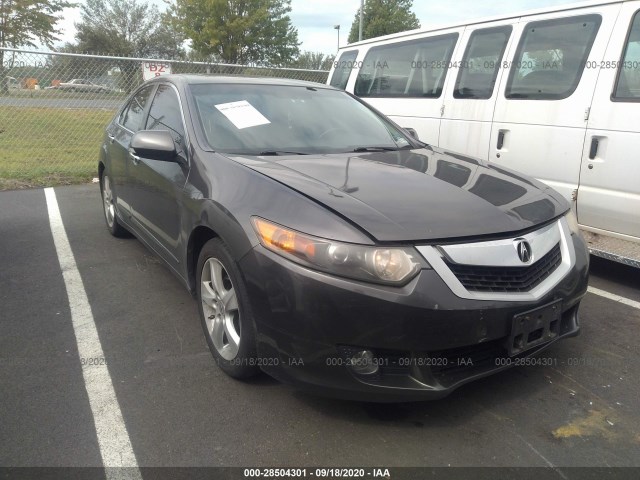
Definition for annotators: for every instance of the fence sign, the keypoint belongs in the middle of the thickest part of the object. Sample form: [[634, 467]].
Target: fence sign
[[153, 69]]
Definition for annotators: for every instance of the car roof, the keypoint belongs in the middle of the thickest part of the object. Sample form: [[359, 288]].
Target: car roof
[[183, 79]]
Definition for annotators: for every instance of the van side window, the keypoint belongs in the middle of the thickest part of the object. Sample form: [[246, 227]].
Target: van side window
[[342, 69], [628, 81], [414, 69], [481, 63], [551, 57]]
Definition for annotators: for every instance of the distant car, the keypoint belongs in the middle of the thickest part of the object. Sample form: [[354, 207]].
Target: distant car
[[11, 82], [81, 85], [331, 249]]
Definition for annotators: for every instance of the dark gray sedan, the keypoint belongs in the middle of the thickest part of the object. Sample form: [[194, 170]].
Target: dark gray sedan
[[329, 248]]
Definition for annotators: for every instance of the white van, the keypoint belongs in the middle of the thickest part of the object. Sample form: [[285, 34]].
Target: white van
[[552, 93]]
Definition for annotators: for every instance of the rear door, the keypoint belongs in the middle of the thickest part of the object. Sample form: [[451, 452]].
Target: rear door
[[609, 192], [405, 80], [540, 118], [470, 99]]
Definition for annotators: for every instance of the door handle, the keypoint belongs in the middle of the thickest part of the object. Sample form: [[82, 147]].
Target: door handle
[[500, 144], [593, 151], [111, 137]]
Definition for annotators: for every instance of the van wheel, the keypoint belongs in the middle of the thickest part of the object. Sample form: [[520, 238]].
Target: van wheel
[[225, 312]]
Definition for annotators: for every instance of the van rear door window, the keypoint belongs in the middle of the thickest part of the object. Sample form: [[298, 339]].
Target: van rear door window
[[342, 69], [628, 81], [415, 69], [551, 57], [481, 63]]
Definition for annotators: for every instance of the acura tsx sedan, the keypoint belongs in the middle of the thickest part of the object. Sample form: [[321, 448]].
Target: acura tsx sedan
[[329, 248]]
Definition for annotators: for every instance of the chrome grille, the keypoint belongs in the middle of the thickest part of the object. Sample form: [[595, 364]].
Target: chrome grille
[[478, 278]]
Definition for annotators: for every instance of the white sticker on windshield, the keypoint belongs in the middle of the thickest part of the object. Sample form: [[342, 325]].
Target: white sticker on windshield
[[242, 114]]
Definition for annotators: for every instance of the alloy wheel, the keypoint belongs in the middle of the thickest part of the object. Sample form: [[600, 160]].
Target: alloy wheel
[[220, 308]]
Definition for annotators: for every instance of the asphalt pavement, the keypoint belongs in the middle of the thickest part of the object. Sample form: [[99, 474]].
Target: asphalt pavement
[[181, 410]]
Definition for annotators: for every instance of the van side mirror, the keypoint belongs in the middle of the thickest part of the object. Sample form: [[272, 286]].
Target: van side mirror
[[155, 145], [412, 132]]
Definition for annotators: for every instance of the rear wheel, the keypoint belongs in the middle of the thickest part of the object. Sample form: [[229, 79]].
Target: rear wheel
[[109, 208], [224, 311]]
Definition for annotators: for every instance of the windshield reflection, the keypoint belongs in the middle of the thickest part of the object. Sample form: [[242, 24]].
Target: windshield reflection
[[272, 120]]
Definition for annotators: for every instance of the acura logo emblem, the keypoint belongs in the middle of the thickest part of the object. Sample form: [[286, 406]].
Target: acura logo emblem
[[524, 250]]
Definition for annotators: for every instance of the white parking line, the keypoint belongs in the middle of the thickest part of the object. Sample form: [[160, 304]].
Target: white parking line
[[614, 297], [113, 438]]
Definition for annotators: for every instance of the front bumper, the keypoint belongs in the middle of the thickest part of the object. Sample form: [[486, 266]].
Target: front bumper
[[426, 340]]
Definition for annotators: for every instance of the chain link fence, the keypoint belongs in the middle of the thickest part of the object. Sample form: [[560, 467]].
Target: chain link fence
[[54, 107]]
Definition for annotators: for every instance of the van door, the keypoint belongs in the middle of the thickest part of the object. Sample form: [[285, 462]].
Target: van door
[[539, 123], [470, 99], [609, 192], [405, 80]]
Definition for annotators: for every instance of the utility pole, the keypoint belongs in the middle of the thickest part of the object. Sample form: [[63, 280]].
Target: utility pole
[[360, 27], [337, 27]]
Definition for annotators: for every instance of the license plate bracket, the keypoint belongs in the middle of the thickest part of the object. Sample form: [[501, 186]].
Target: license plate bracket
[[534, 327]]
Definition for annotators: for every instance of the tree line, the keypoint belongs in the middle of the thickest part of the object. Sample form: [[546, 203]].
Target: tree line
[[250, 32]]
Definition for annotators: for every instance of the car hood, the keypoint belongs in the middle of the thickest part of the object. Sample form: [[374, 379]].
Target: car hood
[[424, 194]]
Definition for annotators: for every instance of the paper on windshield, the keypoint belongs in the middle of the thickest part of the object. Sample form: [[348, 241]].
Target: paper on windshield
[[242, 114]]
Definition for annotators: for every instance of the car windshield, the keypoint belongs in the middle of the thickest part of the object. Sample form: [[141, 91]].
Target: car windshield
[[282, 119]]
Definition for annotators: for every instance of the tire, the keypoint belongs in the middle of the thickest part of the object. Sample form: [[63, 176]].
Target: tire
[[109, 209], [225, 313]]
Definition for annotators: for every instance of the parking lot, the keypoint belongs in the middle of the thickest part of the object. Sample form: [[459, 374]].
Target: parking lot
[[179, 409]]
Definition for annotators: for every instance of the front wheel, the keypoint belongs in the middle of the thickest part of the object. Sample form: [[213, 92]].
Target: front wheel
[[224, 311], [109, 208]]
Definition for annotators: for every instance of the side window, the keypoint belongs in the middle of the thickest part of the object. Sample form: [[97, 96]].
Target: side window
[[551, 57], [413, 69], [628, 81], [343, 67], [132, 115], [481, 63], [165, 114]]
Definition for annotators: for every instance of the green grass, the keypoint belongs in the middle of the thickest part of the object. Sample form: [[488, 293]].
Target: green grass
[[49, 146], [54, 93]]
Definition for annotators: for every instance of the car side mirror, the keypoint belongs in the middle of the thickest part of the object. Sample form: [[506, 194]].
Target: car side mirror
[[155, 145], [412, 132]]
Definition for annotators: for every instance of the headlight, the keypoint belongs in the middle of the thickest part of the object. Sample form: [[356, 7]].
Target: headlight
[[572, 221], [388, 265]]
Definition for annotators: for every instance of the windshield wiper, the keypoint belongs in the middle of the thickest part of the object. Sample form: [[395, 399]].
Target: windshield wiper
[[381, 149], [280, 152]]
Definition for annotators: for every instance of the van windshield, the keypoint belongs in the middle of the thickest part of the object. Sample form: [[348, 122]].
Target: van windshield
[[251, 119]]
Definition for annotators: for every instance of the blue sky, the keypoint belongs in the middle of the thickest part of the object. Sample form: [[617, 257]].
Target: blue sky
[[315, 19]]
